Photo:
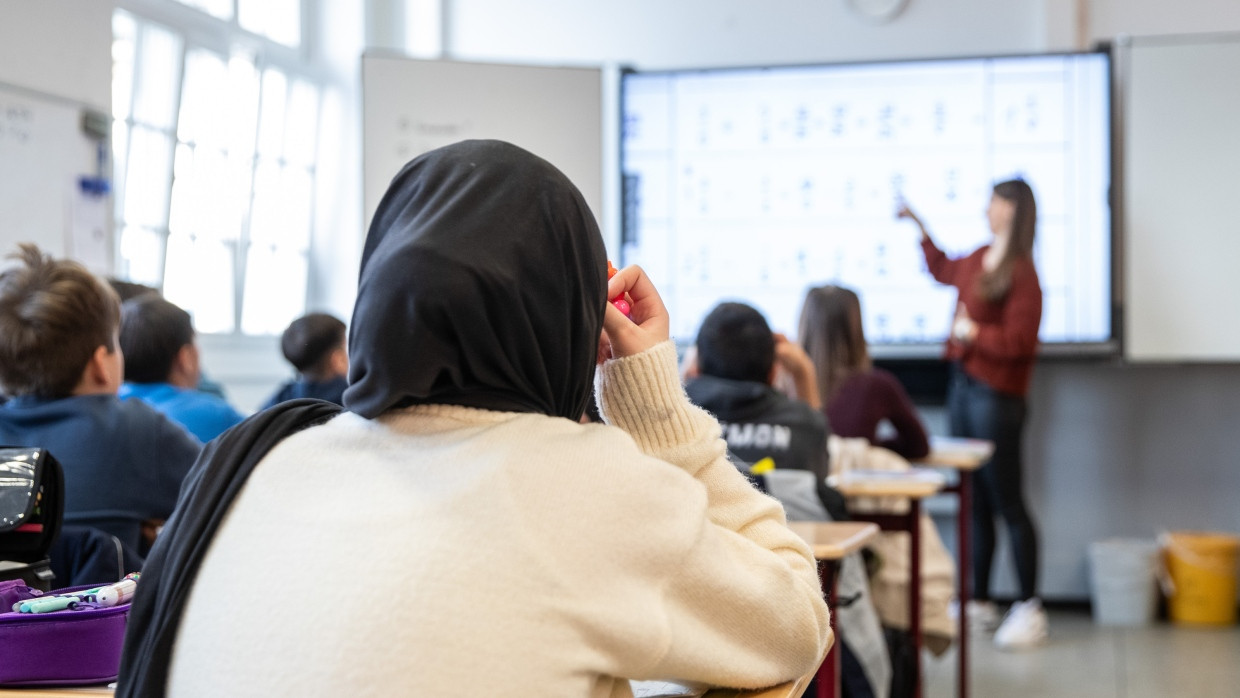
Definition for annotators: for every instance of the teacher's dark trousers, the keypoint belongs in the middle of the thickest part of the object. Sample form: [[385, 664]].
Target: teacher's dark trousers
[[977, 411]]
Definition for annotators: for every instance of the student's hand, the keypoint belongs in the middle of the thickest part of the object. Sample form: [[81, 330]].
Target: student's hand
[[790, 357], [689, 365], [150, 530], [648, 323], [792, 360]]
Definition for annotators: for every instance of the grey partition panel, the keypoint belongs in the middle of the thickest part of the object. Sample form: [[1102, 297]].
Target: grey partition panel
[[411, 106], [1182, 188]]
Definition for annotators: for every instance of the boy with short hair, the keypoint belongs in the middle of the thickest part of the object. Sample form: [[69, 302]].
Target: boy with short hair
[[62, 364], [315, 344], [737, 360], [162, 367]]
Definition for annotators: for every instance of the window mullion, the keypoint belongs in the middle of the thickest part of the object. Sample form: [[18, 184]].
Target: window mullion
[[243, 235], [172, 162]]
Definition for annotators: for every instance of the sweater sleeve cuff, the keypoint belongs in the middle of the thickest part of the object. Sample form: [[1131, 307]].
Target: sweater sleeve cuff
[[643, 395]]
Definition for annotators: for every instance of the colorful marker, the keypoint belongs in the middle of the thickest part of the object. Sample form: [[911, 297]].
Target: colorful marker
[[621, 304]]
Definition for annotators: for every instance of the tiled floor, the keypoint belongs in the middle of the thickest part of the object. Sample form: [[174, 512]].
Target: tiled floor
[[1087, 660]]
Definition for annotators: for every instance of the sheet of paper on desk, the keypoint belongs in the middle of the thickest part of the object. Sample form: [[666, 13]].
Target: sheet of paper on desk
[[910, 475], [666, 689], [956, 444]]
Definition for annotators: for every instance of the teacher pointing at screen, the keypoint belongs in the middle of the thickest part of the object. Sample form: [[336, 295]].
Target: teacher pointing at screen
[[993, 345]]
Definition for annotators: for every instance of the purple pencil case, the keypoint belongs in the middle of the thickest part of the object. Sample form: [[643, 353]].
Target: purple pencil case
[[63, 648]]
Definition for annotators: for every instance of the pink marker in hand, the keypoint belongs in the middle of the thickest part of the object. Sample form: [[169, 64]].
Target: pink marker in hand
[[619, 302]]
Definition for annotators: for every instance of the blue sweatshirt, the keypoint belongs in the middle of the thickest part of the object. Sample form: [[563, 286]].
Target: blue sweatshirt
[[329, 390], [123, 461], [204, 415]]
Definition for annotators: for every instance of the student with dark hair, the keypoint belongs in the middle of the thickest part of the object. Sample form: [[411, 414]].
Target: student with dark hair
[[857, 397], [128, 290], [493, 544], [315, 345], [162, 369], [993, 345], [62, 362], [737, 359]]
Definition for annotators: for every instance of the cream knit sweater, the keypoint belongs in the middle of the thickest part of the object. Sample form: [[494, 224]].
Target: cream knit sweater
[[448, 551]]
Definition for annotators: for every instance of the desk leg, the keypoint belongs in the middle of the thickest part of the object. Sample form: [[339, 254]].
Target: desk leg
[[964, 532], [828, 677], [914, 588]]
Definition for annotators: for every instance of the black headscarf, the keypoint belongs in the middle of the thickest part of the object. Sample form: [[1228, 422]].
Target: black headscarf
[[483, 284]]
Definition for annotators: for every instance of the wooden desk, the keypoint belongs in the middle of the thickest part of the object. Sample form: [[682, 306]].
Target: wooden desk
[[791, 689], [914, 485], [964, 456], [830, 541], [81, 692]]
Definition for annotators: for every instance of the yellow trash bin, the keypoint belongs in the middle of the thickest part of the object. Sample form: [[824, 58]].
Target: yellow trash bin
[[1202, 567]]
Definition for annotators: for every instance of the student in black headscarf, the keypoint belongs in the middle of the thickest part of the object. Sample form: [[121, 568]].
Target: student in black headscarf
[[457, 530]]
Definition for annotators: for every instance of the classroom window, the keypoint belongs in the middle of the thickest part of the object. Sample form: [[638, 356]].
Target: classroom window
[[278, 20], [214, 154]]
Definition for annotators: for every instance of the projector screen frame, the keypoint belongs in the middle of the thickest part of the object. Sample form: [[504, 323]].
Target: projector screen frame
[[1109, 347]]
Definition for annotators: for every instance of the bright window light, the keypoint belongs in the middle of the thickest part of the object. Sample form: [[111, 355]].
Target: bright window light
[[158, 76], [148, 179], [142, 252], [124, 44], [221, 9], [200, 278], [269, 270], [271, 121], [301, 126], [215, 164], [278, 20]]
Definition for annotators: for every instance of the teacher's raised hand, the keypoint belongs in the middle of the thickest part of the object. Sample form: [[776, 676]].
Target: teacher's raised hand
[[903, 211]]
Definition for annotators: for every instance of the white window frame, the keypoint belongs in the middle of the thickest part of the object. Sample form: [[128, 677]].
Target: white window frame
[[199, 30]]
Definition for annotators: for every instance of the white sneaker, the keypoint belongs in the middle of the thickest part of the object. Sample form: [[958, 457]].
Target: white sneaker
[[983, 616], [1024, 626]]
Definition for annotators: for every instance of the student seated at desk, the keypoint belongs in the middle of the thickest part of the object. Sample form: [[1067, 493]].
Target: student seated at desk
[[61, 360], [735, 363], [162, 367], [858, 397], [315, 345], [458, 531]]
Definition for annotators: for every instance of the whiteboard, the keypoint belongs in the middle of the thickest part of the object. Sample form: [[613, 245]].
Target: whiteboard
[[411, 106], [1182, 182], [42, 153], [760, 183]]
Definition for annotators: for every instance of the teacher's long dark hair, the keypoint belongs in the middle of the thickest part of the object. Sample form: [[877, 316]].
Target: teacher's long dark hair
[[483, 284]]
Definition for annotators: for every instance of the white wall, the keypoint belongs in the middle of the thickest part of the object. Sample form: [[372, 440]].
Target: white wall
[[60, 47], [1111, 18], [651, 34]]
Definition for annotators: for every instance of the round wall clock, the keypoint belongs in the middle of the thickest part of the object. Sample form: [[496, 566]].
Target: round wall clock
[[877, 10]]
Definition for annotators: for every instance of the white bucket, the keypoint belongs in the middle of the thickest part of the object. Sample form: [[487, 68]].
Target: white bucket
[[1122, 581]]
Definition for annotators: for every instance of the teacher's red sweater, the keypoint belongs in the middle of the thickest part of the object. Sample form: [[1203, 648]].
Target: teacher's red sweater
[[1003, 354]]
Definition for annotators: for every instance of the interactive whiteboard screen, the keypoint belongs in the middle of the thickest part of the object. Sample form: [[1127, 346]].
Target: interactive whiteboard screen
[[755, 184]]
